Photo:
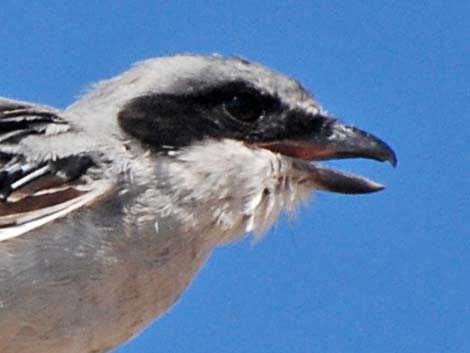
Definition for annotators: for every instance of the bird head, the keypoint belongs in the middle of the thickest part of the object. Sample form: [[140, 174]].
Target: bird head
[[211, 97]]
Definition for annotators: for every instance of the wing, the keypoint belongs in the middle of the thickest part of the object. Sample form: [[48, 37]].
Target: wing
[[34, 192]]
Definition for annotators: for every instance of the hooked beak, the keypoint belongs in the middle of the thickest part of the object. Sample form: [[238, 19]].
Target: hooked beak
[[330, 139]]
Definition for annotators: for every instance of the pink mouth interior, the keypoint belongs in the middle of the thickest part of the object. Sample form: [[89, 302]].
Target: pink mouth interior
[[299, 150]]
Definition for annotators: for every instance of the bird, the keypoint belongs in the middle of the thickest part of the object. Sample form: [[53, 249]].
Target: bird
[[111, 206]]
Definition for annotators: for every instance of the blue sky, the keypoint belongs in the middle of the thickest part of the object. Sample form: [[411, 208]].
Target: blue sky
[[387, 272]]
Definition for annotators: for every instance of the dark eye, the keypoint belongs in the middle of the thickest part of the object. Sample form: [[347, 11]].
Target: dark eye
[[244, 107]]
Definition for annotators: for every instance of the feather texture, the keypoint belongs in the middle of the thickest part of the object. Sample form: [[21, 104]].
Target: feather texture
[[34, 192]]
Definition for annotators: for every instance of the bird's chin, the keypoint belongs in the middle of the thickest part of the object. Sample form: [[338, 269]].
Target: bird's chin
[[319, 176]]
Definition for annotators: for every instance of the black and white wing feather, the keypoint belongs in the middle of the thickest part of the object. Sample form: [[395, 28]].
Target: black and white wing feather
[[33, 191]]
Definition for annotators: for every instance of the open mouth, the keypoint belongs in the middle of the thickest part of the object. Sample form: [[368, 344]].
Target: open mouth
[[338, 142]]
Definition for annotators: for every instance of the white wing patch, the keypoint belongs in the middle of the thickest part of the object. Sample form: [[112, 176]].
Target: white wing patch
[[37, 190], [20, 223]]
